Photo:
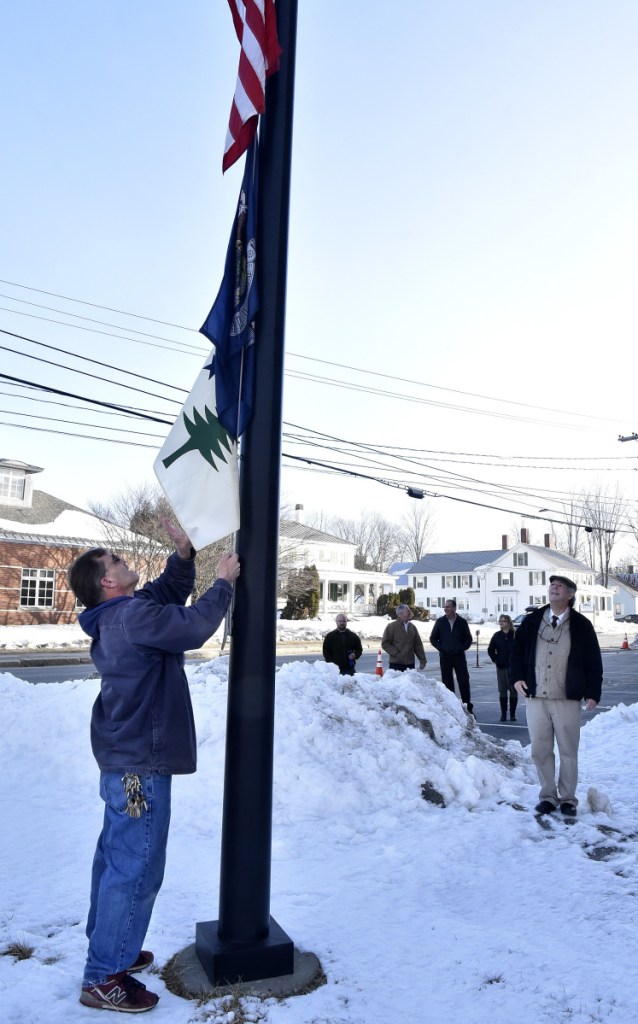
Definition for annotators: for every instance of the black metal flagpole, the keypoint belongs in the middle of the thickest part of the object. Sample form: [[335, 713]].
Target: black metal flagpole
[[246, 943]]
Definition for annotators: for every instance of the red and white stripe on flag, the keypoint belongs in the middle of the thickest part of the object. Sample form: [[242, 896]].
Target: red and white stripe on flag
[[256, 27]]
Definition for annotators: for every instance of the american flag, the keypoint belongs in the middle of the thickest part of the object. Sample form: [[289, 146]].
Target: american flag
[[256, 27]]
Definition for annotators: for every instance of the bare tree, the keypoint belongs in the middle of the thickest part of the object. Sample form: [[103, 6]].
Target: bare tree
[[570, 535], [377, 539], [355, 532], [603, 515], [417, 531], [385, 542], [132, 521]]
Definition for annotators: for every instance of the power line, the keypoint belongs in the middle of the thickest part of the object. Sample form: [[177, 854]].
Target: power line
[[448, 497], [66, 405], [83, 373], [187, 350], [86, 359], [94, 401], [326, 362], [298, 375], [80, 423], [439, 387], [82, 437], [90, 320], [319, 466], [95, 305]]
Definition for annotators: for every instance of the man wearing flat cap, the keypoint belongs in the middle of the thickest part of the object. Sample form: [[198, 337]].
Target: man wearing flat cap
[[556, 664]]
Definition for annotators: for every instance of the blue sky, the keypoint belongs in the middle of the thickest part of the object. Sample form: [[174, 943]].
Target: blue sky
[[463, 216]]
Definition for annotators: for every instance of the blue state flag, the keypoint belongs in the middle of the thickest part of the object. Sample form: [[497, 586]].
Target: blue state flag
[[230, 325]]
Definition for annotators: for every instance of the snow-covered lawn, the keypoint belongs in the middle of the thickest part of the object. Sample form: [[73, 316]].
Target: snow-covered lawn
[[473, 912], [302, 631]]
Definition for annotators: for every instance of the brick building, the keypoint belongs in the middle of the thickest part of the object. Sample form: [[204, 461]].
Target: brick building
[[40, 535]]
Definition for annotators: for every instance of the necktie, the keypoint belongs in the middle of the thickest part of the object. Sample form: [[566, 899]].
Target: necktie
[[554, 621]]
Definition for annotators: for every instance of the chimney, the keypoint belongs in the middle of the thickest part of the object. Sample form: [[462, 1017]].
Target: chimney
[[505, 542], [299, 513], [548, 541], [524, 535]]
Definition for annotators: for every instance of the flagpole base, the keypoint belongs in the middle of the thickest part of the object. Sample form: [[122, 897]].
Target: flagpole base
[[229, 963]]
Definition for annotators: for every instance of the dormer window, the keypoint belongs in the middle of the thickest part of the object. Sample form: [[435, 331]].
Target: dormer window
[[12, 484], [16, 483]]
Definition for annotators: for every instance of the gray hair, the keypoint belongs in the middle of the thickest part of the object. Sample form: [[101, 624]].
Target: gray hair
[[400, 607]]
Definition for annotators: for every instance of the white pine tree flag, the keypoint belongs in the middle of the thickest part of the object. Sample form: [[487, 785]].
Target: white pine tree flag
[[197, 466]]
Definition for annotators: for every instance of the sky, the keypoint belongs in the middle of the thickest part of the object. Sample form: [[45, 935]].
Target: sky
[[463, 232], [473, 911]]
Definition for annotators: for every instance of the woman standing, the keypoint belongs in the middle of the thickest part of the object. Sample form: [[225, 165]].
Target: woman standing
[[500, 650]]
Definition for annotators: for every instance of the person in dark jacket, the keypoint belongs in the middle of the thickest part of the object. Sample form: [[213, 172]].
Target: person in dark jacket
[[556, 663], [500, 651], [451, 637], [142, 733], [342, 647]]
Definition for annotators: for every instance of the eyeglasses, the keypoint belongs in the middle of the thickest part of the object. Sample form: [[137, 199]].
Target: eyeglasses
[[553, 636]]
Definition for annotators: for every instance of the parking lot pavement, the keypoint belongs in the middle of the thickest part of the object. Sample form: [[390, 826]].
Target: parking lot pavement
[[620, 686]]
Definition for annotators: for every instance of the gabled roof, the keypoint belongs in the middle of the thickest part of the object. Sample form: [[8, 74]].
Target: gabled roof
[[400, 572], [469, 561], [45, 508], [16, 464], [455, 561], [559, 558], [51, 520], [299, 531], [627, 580]]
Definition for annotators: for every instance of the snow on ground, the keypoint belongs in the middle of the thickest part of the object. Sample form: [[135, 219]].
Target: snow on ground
[[472, 912], [301, 631]]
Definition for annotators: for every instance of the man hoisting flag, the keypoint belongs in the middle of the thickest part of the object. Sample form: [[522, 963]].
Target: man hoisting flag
[[197, 466]]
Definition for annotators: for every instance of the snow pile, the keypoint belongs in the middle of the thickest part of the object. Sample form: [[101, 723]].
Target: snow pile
[[461, 906]]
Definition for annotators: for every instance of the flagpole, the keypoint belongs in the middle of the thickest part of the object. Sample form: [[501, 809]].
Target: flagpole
[[246, 944]]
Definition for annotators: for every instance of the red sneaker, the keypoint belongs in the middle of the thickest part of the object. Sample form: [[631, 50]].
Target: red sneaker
[[119, 992], [144, 960]]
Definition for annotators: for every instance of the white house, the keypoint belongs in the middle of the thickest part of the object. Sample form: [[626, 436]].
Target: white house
[[625, 588], [486, 583], [342, 587]]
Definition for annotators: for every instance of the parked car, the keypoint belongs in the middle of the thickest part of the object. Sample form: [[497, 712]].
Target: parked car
[[627, 618], [523, 614]]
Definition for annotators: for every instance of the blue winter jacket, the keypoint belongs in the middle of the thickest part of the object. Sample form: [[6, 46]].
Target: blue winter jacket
[[143, 718]]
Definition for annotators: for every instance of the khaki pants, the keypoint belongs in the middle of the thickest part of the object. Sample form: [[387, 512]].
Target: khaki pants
[[560, 720]]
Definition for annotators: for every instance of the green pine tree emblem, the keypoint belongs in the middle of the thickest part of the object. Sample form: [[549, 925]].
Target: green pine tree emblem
[[206, 436]]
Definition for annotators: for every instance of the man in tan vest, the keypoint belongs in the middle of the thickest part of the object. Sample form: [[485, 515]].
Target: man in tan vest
[[401, 641], [556, 663]]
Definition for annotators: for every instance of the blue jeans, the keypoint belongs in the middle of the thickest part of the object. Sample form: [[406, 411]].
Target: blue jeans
[[128, 869]]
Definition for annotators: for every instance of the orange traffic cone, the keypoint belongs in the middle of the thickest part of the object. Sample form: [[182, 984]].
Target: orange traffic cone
[[625, 644], [379, 671]]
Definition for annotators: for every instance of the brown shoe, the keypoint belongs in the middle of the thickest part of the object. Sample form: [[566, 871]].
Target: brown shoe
[[119, 992], [143, 962]]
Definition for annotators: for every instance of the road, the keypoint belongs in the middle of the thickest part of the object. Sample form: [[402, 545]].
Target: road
[[620, 684]]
